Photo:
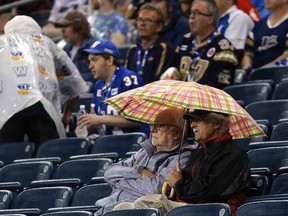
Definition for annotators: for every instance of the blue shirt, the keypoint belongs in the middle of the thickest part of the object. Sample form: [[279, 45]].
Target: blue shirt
[[122, 80]]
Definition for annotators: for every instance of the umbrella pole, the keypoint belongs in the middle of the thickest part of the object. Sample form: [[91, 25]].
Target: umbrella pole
[[182, 140]]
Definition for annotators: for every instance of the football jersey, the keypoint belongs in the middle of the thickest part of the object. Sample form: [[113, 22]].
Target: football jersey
[[122, 80], [215, 61]]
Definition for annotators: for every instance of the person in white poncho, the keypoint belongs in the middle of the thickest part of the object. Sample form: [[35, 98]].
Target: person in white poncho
[[35, 78]]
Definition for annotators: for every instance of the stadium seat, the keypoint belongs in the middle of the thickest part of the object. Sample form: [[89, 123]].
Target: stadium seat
[[76, 173], [265, 144], [222, 209], [249, 92], [271, 110], [277, 74], [133, 212], [86, 197], [15, 150], [260, 185], [36, 201], [116, 147], [280, 184], [6, 198], [280, 91], [263, 208], [279, 132], [69, 213], [18, 176]]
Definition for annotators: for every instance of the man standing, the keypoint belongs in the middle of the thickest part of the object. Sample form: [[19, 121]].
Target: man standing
[[145, 171], [152, 55], [206, 56], [112, 79]]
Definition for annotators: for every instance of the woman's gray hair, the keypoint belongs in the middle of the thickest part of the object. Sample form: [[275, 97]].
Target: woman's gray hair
[[212, 8], [220, 119]]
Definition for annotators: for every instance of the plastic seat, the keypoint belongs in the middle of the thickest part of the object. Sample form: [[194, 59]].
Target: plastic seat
[[277, 74], [69, 213], [86, 197], [280, 184], [6, 198], [271, 110], [263, 208], [36, 201], [280, 91], [15, 150], [250, 92], [76, 173], [265, 144], [272, 158], [260, 185], [18, 176], [201, 210], [133, 212], [279, 132]]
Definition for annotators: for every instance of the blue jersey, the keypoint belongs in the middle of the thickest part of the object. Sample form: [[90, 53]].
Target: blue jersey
[[122, 80], [267, 43]]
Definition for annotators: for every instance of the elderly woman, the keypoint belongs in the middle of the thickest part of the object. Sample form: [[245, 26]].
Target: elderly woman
[[218, 170]]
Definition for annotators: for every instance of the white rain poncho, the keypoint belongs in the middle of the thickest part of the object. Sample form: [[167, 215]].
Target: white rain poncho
[[32, 69]]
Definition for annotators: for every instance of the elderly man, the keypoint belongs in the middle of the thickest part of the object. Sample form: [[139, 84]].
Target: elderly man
[[218, 170], [145, 172], [206, 56]]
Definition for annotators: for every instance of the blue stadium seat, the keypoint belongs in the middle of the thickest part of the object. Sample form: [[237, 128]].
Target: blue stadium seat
[[265, 144], [280, 91], [15, 150], [277, 74], [249, 92], [279, 132], [36, 201], [280, 184], [133, 212], [6, 198], [260, 185], [69, 213], [263, 208], [222, 209], [18, 176]]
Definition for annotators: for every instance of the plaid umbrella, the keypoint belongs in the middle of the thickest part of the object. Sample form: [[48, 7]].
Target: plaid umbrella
[[144, 103]]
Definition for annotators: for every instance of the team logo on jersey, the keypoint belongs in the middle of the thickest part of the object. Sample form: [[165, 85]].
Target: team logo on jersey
[[114, 91], [20, 71], [39, 51], [1, 86], [23, 89], [37, 38], [42, 70], [17, 56], [62, 72], [42, 87], [211, 52], [12, 41]]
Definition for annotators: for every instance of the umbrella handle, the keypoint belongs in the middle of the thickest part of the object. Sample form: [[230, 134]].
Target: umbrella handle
[[164, 187]]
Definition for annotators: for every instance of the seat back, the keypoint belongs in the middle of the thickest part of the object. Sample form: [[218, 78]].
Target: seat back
[[16, 150], [261, 208], [6, 198], [133, 212], [265, 144], [26, 172], [83, 169], [280, 184], [121, 144], [272, 158], [89, 194], [272, 110], [63, 148], [249, 92], [260, 185], [277, 74], [69, 213], [279, 132], [44, 198], [280, 91]]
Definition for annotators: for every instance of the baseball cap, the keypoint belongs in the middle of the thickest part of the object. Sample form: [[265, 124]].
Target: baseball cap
[[103, 47], [71, 17]]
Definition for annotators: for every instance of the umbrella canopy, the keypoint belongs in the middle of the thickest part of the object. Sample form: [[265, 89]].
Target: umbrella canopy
[[144, 103]]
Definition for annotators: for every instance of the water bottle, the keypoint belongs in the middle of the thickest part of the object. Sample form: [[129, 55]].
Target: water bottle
[[100, 129], [81, 132]]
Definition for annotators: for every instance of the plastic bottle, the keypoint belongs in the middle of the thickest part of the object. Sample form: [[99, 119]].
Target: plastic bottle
[[100, 129], [81, 132]]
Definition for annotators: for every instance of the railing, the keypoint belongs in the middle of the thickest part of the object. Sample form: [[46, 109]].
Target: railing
[[13, 6]]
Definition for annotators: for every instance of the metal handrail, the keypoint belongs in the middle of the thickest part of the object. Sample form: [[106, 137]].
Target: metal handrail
[[15, 4]]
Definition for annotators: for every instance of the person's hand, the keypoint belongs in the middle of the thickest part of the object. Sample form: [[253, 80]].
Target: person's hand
[[174, 176], [88, 120]]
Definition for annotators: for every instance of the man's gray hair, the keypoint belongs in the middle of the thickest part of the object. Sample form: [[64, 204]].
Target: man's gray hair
[[212, 8]]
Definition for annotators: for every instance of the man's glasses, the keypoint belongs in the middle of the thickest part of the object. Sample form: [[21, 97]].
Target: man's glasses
[[198, 119], [145, 21], [197, 13], [159, 127]]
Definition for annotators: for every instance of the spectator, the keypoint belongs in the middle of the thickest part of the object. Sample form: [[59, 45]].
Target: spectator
[[33, 74], [234, 24], [185, 6], [144, 172], [76, 33], [175, 24], [250, 9], [268, 42], [112, 80], [205, 55], [218, 169], [151, 56], [58, 11], [108, 24]]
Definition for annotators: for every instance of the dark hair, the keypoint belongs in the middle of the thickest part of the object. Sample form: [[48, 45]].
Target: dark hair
[[116, 61], [160, 16], [82, 27]]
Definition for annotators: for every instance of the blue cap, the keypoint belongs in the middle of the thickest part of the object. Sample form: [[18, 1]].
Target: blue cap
[[103, 47]]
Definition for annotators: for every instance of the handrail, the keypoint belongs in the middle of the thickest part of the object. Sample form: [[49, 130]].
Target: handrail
[[15, 4]]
